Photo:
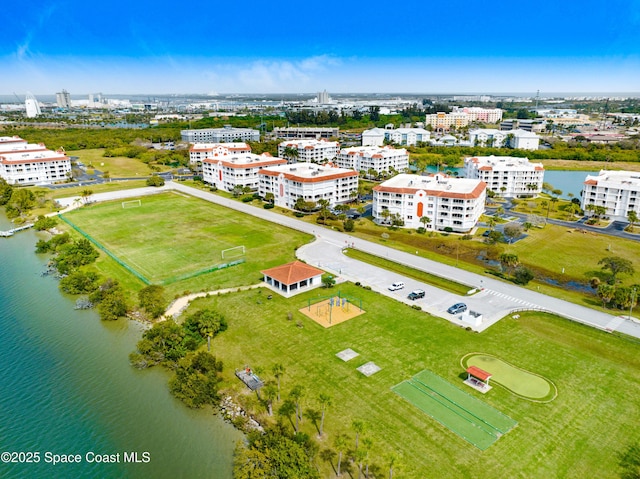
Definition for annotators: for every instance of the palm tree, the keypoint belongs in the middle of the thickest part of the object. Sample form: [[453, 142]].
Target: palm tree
[[340, 442], [286, 410], [270, 392], [393, 459], [359, 427], [85, 195], [325, 401], [291, 154], [367, 444], [278, 371], [314, 416], [425, 220], [296, 394], [324, 208], [632, 216]]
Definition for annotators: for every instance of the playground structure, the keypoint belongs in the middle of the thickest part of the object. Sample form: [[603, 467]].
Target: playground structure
[[331, 310]]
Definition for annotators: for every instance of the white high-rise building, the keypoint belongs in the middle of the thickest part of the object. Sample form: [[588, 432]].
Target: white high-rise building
[[23, 163], [308, 181], [313, 151], [201, 151], [32, 106], [505, 175], [220, 135], [63, 99], [617, 191], [378, 158], [455, 203], [227, 171]]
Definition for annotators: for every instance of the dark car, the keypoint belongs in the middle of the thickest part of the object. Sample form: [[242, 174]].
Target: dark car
[[417, 294], [457, 308]]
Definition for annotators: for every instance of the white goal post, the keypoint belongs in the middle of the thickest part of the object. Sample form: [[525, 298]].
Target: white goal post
[[131, 204], [233, 252]]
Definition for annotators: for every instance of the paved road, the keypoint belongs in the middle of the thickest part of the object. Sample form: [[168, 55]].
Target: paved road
[[496, 299]]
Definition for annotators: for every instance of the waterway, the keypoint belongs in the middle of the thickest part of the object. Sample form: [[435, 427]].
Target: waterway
[[66, 387], [568, 181]]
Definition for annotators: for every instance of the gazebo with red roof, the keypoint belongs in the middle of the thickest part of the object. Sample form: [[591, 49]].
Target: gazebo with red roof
[[478, 378], [293, 278]]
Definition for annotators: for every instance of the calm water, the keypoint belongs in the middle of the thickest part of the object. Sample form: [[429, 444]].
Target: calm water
[[66, 388]]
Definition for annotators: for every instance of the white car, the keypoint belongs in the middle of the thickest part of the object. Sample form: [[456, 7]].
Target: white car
[[396, 286]]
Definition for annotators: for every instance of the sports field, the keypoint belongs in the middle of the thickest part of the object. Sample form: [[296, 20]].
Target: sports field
[[470, 418], [171, 236]]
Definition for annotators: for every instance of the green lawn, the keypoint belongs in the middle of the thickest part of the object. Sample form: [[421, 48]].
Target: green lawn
[[117, 166], [171, 235], [576, 435]]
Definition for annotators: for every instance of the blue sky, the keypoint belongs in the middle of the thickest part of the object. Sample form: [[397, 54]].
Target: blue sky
[[138, 46]]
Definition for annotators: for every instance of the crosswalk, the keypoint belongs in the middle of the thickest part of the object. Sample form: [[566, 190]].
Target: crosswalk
[[521, 302]]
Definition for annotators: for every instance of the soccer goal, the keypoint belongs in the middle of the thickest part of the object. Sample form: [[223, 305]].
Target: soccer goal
[[234, 252], [131, 204]]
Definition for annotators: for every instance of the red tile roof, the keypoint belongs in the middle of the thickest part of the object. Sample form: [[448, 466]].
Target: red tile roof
[[292, 272], [476, 372]]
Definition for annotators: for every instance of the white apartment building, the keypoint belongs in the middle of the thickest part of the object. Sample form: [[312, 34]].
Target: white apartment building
[[308, 181], [220, 135], [488, 137], [456, 203], [400, 136], [617, 191], [523, 140], [517, 176], [444, 121], [306, 132], [201, 151], [378, 158], [311, 151], [373, 137], [227, 171], [407, 136], [23, 163]]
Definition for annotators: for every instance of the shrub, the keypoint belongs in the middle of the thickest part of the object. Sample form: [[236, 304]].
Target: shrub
[[421, 230], [523, 275], [155, 180], [298, 214], [448, 229], [247, 199], [268, 206]]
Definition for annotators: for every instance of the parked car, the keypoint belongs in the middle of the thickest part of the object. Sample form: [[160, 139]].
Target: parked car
[[417, 294], [457, 308], [396, 286]]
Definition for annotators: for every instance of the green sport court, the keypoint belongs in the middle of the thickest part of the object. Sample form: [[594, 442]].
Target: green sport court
[[470, 418]]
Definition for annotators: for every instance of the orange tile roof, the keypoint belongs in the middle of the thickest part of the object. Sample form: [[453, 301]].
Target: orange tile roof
[[476, 372], [292, 272], [475, 193]]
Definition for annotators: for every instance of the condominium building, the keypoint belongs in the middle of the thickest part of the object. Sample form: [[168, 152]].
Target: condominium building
[[444, 121], [508, 176], [485, 115], [22, 163], [201, 151], [399, 136], [311, 132], [229, 170], [523, 140], [455, 203], [617, 191], [378, 158], [310, 151], [488, 137], [373, 137], [308, 181], [220, 135]]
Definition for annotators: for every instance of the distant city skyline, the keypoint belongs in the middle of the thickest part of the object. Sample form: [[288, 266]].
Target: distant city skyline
[[449, 47]]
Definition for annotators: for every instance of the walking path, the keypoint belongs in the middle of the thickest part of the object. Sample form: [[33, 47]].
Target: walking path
[[497, 298]]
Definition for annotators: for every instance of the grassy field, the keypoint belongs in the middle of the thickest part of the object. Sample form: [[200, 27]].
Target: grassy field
[[588, 165], [171, 235], [118, 166], [577, 435]]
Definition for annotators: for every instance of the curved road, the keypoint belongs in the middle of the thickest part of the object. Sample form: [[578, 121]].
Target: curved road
[[495, 300]]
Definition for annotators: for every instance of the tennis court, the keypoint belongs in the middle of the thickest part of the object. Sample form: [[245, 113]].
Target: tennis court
[[470, 418]]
